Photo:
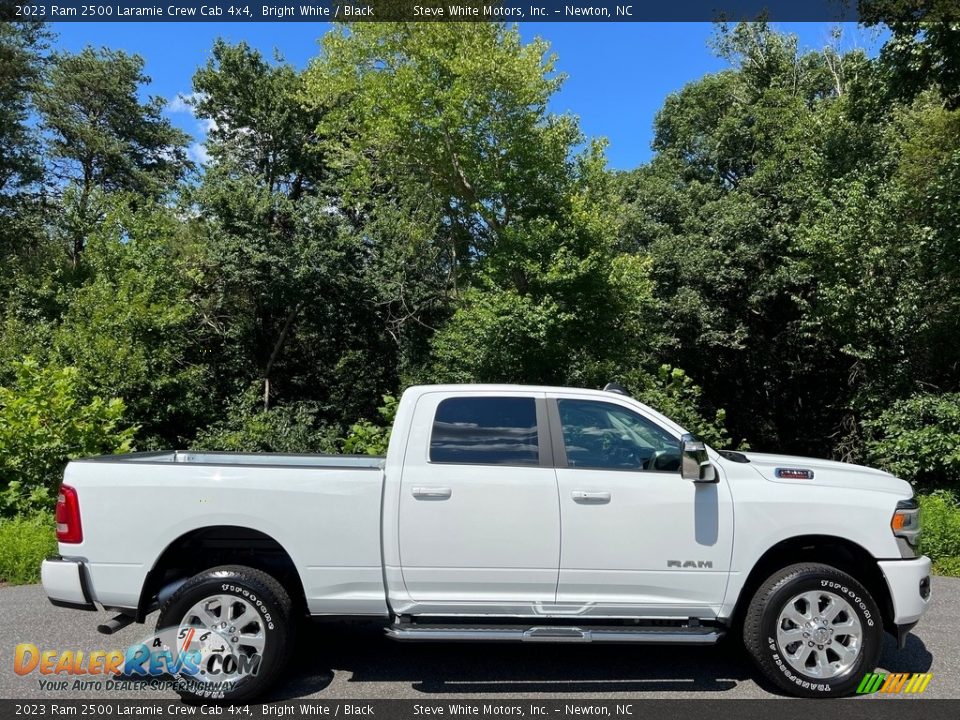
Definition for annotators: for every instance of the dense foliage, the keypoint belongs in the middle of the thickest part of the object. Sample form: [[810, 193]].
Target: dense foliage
[[44, 421], [940, 539], [784, 273]]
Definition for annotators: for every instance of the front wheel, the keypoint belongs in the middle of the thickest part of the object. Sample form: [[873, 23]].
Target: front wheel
[[231, 628], [813, 631]]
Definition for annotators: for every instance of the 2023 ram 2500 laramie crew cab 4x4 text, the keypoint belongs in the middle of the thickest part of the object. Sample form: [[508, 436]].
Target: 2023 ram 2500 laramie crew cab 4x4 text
[[503, 512]]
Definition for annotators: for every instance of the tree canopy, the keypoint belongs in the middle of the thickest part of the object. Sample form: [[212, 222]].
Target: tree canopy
[[784, 274]]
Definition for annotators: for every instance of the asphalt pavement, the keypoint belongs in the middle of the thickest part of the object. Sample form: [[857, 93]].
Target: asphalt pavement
[[358, 662]]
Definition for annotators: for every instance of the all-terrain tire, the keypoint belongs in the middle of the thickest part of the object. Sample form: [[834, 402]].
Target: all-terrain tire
[[813, 657], [265, 602]]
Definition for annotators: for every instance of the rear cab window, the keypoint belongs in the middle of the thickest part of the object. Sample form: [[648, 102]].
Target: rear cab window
[[485, 431]]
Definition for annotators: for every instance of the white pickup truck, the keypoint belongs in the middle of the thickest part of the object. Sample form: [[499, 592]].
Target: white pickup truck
[[507, 513]]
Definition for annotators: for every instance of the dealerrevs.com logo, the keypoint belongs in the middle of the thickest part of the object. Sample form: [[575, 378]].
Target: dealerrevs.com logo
[[895, 683], [196, 657]]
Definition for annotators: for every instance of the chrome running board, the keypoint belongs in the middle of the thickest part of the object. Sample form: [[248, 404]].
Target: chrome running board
[[696, 635]]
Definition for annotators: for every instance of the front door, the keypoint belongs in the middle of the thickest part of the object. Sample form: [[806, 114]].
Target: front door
[[637, 538], [479, 525]]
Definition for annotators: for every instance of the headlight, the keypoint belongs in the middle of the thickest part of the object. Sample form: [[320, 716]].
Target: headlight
[[905, 524]]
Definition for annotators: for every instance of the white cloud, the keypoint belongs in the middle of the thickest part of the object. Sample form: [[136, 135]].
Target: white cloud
[[198, 153], [182, 103]]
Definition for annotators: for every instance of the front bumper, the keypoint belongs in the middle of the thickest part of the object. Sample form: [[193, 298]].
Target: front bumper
[[909, 585], [65, 582]]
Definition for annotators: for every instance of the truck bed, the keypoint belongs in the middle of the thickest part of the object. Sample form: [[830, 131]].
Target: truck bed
[[292, 460], [322, 510]]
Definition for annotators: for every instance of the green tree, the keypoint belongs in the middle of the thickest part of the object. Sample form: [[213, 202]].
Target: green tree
[[133, 329], [443, 133], [718, 211], [295, 427], [518, 277], [101, 137], [922, 53], [455, 112], [22, 47], [883, 247], [282, 266], [22, 64], [372, 438]]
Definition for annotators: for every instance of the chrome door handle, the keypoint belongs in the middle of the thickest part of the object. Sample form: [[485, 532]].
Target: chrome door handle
[[590, 497], [432, 493]]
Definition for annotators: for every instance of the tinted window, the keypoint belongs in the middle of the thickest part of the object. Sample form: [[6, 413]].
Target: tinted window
[[485, 430], [608, 436]]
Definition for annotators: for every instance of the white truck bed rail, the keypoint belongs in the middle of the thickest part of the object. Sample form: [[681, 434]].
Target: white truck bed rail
[[189, 457]]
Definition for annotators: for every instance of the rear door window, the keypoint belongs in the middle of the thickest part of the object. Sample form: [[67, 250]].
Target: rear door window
[[485, 431]]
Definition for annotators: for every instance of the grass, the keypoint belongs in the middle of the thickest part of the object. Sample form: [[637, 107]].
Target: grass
[[24, 543]]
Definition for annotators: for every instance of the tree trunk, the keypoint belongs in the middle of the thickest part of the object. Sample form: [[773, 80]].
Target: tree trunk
[[287, 324]]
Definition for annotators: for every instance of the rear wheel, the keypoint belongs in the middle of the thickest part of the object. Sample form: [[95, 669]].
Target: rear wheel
[[236, 622], [813, 631]]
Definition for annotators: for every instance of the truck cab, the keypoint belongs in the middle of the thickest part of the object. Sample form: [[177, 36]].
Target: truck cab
[[551, 503]]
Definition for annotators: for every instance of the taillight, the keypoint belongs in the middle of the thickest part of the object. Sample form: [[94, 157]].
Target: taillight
[[68, 516]]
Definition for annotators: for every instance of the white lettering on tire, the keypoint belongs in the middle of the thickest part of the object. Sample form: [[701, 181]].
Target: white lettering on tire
[[857, 600], [261, 608]]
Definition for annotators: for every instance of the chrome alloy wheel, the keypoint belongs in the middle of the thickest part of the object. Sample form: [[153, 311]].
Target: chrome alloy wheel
[[228, 626], [819, 634]]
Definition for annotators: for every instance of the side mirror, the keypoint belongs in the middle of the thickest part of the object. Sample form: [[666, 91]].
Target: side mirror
[[695, 465]]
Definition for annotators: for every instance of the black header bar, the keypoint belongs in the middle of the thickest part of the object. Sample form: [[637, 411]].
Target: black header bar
[[478, 11], [489, 709]]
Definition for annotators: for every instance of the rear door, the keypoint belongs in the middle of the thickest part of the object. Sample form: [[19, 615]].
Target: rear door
[[479, 520]]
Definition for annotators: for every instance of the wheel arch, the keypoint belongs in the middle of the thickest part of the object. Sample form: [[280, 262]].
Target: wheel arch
[[840, 553], [208, 547]]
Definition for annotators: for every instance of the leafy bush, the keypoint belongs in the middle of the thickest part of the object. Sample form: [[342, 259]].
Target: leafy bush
[[131, 330], [45, 420], [292, 428], [940, 539], [368, 438], [918, 439], [502, 336], [673, 393], [24, 543]]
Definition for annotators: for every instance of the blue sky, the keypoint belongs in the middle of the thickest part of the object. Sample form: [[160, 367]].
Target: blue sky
[[619, 73]]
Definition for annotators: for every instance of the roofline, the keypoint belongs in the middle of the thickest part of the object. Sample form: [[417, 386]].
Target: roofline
[[513, 387], [419, 390]]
